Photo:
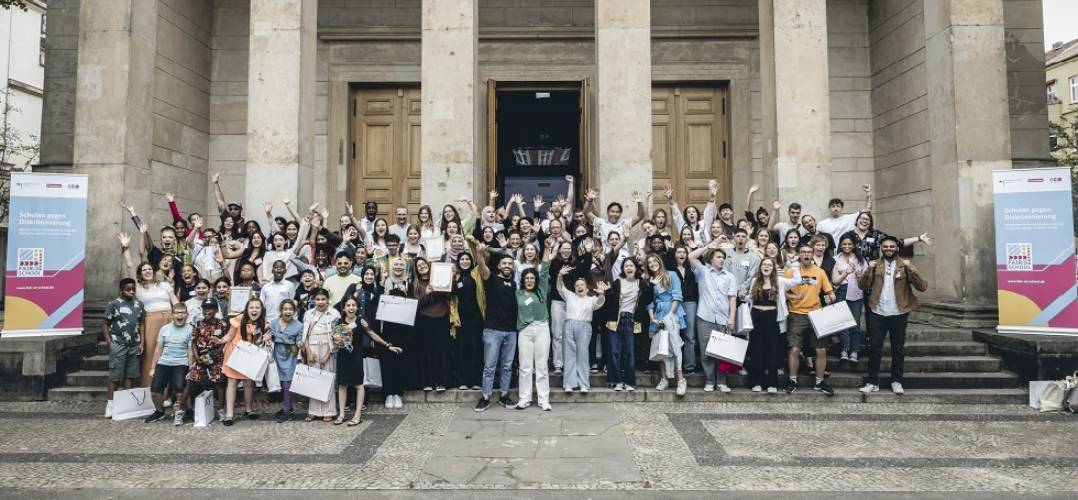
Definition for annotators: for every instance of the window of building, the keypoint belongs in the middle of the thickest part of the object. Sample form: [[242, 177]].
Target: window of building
[[1052, 99], [1053, 137], [1074, 89]]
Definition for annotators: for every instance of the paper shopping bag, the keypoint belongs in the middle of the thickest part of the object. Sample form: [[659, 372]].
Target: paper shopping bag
[[396, 309], [660, 346], [249, 360], [204, 409], [832, 319], [272, 382], [372, 373], [314, 383], [132, 403], [744, 324], [727, 347]]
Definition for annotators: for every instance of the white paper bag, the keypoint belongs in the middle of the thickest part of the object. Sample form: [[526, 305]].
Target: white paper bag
[[744, 320], [372, 373], [727, 347], [203, 408], [1036, 387], [660, 346], [832, 319], [273, 378], [314, 383], [132, 403], [394, 309], [249, 360]]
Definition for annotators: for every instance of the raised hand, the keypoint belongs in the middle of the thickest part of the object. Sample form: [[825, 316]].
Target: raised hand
[[537, 201], [636, 197], [143, 227], [130, 209], [125, 240], [647, 194], [754, 188], [325, 214], [170, 197], [196, 221], [349, 209], [866, 187], [565, 270], [668, 192], [602, 287], [493, 194], [776, 204], [268, 206], [481, 247], [713, 187], [216, 177], [286, 201], [502, 241], [927, 239], [569, 178], [312, 209]]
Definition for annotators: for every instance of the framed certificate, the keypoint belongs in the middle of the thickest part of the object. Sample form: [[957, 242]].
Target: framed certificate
[[441, 276], [435, 246], [237, 299]]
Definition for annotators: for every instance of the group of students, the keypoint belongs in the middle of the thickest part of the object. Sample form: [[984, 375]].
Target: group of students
[[551, 287]]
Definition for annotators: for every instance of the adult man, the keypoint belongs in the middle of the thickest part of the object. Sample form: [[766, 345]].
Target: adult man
[[741, 261], [726, 217], [891, 282], [400, 228], [234, 209], [499, 334], [715, 308], [809, 229], [613, 220], [794, 212], [814, 281], [838, 224]]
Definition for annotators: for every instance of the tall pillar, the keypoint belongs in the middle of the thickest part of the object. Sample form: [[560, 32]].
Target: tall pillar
[[623, 87], [280, 103], [113, 138], [449, 73], [796, 103], [969, 125]]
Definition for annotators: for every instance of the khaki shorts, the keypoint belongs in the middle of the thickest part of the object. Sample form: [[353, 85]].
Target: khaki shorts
[[797, 327], [123, 362]]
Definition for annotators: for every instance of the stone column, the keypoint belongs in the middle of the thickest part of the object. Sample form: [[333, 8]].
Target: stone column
[[113, 138], [623, 87], [449, 74], [796, 103], [280, 104], [969, 125]]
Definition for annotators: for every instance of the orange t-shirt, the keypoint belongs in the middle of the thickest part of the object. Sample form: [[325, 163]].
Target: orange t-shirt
[[813, 281]]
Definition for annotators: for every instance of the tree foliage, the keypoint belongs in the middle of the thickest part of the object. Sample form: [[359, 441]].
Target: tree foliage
[[1065, 152], [18, 4]]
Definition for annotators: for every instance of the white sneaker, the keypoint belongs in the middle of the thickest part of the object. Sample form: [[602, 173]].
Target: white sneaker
[[568, 389], [167, 403], [782, 371], [709, 387], [630, 388], [221, 415], [545, 406], [682, 386], [853, 356], [772, 390], [757, 388], [845, 355], [724, 388], [663, 384], [896, 387], [177, 418], [389, 402], [742, 372], [619, 387], [584, 390], [870, 388], [462, 388], [398, 403], [108, 409]]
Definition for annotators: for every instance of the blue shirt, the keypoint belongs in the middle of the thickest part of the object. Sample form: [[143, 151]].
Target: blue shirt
[[716, 289], [175, 342]]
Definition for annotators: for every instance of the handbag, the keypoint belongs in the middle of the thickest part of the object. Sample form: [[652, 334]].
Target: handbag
[[660, 346], [372, 373], [315, 383], [1036, 387], [1055, 393], [131, 404], [203, 409], [249, 360], [832, 319], [743, 324], [727, 347], [272, 382], [1072, 399]]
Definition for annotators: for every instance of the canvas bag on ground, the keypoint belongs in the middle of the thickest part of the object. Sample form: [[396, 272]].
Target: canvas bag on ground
[[743, 325], [1072, 401], [832, 319], [203, 409], [249, 360], [132, 403], [396, 309], [314, 383], [1035, 389], [272, 381], [372, 373], [727, 347], [1054, 395], [660, 346]]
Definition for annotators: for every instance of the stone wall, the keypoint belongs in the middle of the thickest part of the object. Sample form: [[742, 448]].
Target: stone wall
[[228, 101], [61, 61], [1024, 26], [852, 155]]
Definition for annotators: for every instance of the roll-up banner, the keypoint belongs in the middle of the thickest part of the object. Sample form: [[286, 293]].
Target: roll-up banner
[[1035, 251], [46, 248]]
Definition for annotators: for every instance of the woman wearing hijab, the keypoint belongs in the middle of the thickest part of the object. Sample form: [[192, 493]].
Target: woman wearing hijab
[[397, 283], [467, 310], [456, 245]]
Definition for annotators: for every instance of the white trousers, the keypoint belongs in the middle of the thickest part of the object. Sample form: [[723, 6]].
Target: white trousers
[[533, 347], [557, 328]]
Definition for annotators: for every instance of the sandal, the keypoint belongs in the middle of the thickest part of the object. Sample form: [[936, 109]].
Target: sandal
[[355, 421], [308, 418], [338, 421], [327, 419]]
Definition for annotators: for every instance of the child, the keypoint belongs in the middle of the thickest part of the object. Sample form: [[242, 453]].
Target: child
[[124, 327], [287, 338], [171, 361], [208, 355], [248, 327]]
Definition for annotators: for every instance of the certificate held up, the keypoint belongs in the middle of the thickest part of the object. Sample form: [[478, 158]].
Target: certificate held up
[[396, 309]]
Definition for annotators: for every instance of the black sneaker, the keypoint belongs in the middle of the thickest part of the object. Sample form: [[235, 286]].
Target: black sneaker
[[824, 388], [227, 422], [791, 386], [482, 405], [155, 416], [506, 402], [283, 416], [251, 415], [189, 415]]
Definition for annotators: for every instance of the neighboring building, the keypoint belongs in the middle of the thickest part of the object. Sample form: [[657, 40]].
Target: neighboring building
[[22, 78], [420, 101], [1061, 72]]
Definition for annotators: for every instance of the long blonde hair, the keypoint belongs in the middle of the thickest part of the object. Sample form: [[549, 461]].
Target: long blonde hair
[[664, 276]]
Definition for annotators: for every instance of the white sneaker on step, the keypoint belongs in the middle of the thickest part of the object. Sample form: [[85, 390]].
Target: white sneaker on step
[[663, 384], [108, 409]]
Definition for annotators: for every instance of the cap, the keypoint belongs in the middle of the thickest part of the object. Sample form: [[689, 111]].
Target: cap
[[235, 204], [210, 302]]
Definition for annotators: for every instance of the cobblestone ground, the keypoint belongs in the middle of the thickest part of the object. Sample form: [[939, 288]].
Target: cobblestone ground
[[622, 446]]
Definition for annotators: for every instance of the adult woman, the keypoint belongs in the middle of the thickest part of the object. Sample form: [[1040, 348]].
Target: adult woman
[[867, 238], [318, 345], [222, 289], [280, 251], [467, 310], [623, 316], [690, 294], [230, 229], [377, 238], [452, 228], [686, 237], [185, 285], [766, 295], [564, 257], [394, 368], [157, 297], [579, 307], [425, 223], [666, 314], [457, 244], [533, 338], [659, 218], [849, 266], [760, 239], [772, 250], [248, 327], [411, 245], [254, 252], [287, 334], [790, 243], [432, 323], [529, 258]]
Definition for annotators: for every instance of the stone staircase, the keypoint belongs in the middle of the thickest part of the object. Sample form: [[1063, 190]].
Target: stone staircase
[[943, 365]]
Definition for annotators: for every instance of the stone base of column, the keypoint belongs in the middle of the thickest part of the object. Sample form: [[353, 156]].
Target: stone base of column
[[958, 314]]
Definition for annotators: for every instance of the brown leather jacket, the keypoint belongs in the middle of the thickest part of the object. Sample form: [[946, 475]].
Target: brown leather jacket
[[906, 280]]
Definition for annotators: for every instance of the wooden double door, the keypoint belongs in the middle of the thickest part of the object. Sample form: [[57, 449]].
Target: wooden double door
[[688, 143], [385, 149]]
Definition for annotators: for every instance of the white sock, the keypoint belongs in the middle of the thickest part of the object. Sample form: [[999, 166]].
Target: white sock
[[818, 380]]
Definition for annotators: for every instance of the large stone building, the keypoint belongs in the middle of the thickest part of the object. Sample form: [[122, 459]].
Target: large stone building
[[22, 75], [418, 102], [1061, 73]]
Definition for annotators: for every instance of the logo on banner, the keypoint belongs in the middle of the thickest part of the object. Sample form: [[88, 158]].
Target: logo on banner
[[31, 263], [1019, 256]]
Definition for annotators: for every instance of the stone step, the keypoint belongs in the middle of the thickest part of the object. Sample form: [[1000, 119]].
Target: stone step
[[938, 335], [102, 348], [87, 378], [79, 393], [99, 362], [924, 349], [925, 364], [948, 396]]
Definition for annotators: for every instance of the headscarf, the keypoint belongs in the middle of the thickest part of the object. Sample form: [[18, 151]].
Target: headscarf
[[372, 288], [492, 223], [453, 255], [392, 280]]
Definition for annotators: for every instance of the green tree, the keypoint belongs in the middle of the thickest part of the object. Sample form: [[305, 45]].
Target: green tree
[[1065, 152], [13, 143], [18, 4]]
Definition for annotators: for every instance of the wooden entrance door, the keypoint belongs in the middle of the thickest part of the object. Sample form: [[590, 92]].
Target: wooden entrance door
[[689, 137], [385, 149]]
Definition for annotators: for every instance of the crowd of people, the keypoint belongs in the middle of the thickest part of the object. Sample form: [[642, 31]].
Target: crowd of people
[[551, 287]]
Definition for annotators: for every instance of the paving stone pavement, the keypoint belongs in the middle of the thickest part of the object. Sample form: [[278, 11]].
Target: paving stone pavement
[[598, 446]]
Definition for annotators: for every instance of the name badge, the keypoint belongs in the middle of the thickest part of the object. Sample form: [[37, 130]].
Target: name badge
[[870, 240], [125, 310], [745, 263], [528, 302]]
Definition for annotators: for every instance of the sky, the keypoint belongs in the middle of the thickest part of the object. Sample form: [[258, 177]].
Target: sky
[[1060, 21]]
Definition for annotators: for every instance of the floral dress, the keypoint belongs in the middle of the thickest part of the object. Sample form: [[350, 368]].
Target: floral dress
[[209, 355]]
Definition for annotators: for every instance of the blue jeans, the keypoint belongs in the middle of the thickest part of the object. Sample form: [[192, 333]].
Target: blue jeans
[[688, 336], [622, 357], [576, 337], [850, 338], [499, 347]]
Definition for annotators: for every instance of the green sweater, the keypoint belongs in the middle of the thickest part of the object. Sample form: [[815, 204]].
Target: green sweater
[[533, 307]]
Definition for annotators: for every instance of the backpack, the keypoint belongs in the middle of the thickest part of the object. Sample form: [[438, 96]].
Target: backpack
[[1054, 396]]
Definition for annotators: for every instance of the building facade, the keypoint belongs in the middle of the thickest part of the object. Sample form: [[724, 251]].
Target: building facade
[[421, 101], [1061, 85], [22, 78]]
